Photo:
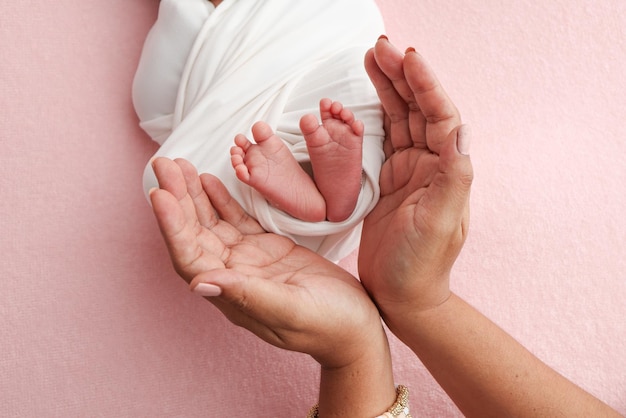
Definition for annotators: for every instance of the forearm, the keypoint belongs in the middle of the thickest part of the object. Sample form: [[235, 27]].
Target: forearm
[[365, 388], [484, 370]]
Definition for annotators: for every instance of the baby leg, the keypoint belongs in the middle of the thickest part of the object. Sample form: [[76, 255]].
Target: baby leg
[[270, 168], [335, 148]]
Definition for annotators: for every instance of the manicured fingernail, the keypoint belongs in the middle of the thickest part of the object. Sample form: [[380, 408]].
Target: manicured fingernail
[[207, 290], [383, 37], [409, 49], [463, 140]]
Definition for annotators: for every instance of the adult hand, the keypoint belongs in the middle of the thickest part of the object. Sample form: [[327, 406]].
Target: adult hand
[[284, 293], [415, 233]]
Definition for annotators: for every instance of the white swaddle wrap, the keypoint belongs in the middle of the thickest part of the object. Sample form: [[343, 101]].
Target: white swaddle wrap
[[273, 60]]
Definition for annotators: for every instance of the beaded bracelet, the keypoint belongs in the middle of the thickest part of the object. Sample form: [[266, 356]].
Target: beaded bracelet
[[400, 406]]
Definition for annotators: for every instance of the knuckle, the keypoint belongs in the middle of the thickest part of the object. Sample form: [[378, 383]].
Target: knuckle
[[466, 180]]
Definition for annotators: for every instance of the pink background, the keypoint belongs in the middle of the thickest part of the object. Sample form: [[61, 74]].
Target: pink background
[[95, 323]]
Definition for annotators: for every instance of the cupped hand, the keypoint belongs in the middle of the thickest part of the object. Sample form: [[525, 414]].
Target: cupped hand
[[413, 236], [283, 293]]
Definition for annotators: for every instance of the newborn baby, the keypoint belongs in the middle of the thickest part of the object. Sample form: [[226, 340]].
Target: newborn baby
[[255, 73]]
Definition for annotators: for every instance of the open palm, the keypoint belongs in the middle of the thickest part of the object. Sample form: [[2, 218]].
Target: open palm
[[286, 294], [414, 234]]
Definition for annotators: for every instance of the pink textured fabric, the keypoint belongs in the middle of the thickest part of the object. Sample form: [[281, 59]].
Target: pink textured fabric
[[93, 320]]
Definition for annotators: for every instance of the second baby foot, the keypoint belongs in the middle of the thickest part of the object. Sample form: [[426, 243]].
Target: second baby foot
[[269, 167], [336, 148]]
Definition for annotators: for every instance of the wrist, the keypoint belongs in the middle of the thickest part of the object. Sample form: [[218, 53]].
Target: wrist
[[362, 387], [405, 319], [409, 293]]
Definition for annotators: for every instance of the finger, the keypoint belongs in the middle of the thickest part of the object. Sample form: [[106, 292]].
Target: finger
[[180, 239], [390, 62], [383, 64], [437, 115], [228, 208], [168, 213], [448, 194], [171, 178], [387, 145], [205, 212], [192, 248]]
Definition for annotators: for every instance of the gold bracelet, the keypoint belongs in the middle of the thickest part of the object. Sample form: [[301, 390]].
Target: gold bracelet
[[401, 405], [402, 402]]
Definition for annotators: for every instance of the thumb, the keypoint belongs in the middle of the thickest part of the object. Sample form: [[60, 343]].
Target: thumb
[[451, 189], [257, 304]]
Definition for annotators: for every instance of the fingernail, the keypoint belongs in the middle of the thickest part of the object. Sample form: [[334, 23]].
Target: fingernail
[[152, 190], [409, 49], [463, 140], [207, 290], [383, 37]]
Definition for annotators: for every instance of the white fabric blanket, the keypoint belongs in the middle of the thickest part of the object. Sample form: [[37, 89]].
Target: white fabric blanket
[[273, 60]]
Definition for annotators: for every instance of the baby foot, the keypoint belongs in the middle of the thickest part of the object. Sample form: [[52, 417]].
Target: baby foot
[[335, 148], [269, 167]]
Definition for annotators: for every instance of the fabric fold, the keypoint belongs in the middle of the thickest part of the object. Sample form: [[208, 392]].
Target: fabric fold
[[274, 60]]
